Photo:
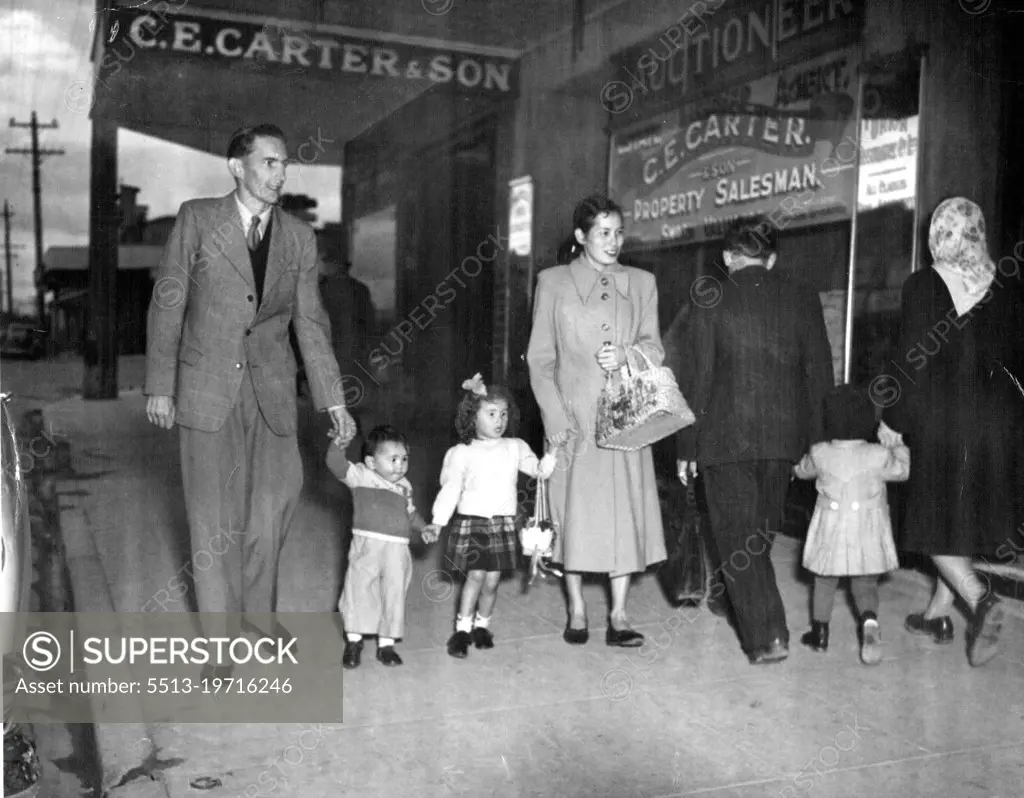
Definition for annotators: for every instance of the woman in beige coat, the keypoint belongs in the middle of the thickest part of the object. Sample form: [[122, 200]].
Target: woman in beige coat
[[586, 315]]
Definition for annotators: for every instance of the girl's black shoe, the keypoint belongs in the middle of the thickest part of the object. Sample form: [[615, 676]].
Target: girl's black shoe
[[817, 638], [482, 638], [458, 644], [940, 629], [623, 638], [353, 653]]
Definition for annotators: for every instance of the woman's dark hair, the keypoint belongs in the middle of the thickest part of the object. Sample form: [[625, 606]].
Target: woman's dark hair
[[382, 434], [241, 143], [469, 406], [849, 414], [583, 218]]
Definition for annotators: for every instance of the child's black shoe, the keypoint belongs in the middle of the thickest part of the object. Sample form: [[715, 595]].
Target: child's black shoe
[[817, 638], [353, 654], [458, 644], [482, 638], [387, 655], [870, 639]]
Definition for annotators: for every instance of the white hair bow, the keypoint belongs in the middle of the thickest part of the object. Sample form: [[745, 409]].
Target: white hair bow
[[475, 385]]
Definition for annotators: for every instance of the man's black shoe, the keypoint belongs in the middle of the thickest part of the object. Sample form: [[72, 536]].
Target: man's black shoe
[[776, 651]]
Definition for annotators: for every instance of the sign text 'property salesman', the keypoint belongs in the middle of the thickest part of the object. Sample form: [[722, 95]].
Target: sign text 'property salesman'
[[315, 53]]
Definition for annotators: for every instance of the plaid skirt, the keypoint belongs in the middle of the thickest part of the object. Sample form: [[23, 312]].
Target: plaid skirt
[[481, 544]]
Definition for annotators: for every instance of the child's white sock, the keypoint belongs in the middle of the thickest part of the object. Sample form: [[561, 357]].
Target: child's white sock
[[463, 624], [352, 638], [481, 621], [385, 641]]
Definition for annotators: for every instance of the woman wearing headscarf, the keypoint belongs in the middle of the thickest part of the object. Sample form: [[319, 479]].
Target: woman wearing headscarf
[[955, 396]]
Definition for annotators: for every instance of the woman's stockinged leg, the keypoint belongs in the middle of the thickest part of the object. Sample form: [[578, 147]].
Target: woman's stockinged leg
[[962, 578], [620, 591], [488, 593], [471, 592], [577, 606], [942, 599]]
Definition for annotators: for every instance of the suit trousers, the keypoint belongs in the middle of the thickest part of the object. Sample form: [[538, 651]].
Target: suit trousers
[[376, 583], [242, 486], [745, 505]]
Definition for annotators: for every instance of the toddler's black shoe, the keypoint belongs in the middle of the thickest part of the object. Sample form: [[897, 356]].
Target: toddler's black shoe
[[458, 644], [386, 655], [353, 654], [482, 638], [817, 638], [870, 639]]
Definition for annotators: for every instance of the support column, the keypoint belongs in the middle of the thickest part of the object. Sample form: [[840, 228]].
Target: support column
[[101, 336]]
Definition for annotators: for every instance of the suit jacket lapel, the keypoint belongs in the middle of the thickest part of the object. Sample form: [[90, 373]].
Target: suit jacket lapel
[[231, 239], [278, 259]]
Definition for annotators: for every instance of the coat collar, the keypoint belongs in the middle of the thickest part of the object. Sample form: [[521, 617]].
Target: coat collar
[[588, 279]]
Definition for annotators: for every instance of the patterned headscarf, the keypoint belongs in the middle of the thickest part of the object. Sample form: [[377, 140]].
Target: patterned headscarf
[[957, 242]]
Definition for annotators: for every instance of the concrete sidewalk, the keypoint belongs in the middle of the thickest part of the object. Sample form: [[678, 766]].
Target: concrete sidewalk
[[534, 717]]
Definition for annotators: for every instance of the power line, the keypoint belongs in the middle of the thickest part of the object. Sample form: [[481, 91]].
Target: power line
[[37, 157]]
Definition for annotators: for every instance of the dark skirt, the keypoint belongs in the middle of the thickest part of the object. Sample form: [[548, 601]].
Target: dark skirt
[[481, 544]]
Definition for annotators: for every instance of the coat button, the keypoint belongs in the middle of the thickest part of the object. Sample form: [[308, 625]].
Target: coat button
[[604, 281], [238, 365], [834, 505], [251, 298], [604, 296], [855, 506], [606, 326], [248, 332]]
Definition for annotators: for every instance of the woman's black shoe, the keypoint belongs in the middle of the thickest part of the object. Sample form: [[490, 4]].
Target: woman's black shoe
[[776, 651], [353, 653], [482, 638], [817, 638], [458, 644], [940, 629], [983, 637], [575, 637], [623, 638]]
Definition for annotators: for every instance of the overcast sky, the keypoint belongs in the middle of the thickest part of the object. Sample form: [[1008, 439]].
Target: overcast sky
[[44, 49]]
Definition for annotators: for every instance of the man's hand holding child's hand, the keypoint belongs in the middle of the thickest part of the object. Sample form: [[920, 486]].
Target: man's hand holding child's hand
[[431, 532]]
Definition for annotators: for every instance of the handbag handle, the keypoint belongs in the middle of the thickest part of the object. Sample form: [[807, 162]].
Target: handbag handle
[[540, 502]]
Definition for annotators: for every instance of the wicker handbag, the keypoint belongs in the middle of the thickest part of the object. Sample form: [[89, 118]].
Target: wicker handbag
[[641, 407]]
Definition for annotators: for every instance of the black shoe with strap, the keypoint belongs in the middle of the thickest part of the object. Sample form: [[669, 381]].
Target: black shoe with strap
[[386, 655], [817, 638], [623, 638], [458, 644], [940, 629], [482, 637], [353, 653]]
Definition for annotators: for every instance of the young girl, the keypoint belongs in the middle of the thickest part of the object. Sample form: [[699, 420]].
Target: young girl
[[850, 532], [478, 498]]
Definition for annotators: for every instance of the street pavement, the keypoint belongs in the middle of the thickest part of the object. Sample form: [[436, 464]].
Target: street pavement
[[686, 715]]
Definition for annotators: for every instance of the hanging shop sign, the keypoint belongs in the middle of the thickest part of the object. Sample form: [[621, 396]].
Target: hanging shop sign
[[283, 49], [789, 152], [520, 216], [716, 44]]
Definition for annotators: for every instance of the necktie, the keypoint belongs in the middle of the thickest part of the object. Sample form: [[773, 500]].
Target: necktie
[[254, 233]]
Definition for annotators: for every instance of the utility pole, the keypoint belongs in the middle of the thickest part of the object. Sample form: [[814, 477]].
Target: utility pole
[[37, 194]]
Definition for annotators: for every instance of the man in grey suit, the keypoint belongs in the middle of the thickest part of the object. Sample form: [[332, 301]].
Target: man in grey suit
[[236, 271]]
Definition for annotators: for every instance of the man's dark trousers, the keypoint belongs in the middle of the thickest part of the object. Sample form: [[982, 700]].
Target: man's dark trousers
[[745, 503]]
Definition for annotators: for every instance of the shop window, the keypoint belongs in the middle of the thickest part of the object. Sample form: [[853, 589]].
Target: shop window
[[373, 260]]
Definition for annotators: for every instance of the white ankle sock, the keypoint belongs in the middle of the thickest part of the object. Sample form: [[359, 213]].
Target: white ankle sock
[[463, 624], [481, 621], [353, 638], [385, 641]]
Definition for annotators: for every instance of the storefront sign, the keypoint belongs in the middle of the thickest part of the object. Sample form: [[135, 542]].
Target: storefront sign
[[309, 53], [727, 42], [689, 173], [520, 213], [888, 162]]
